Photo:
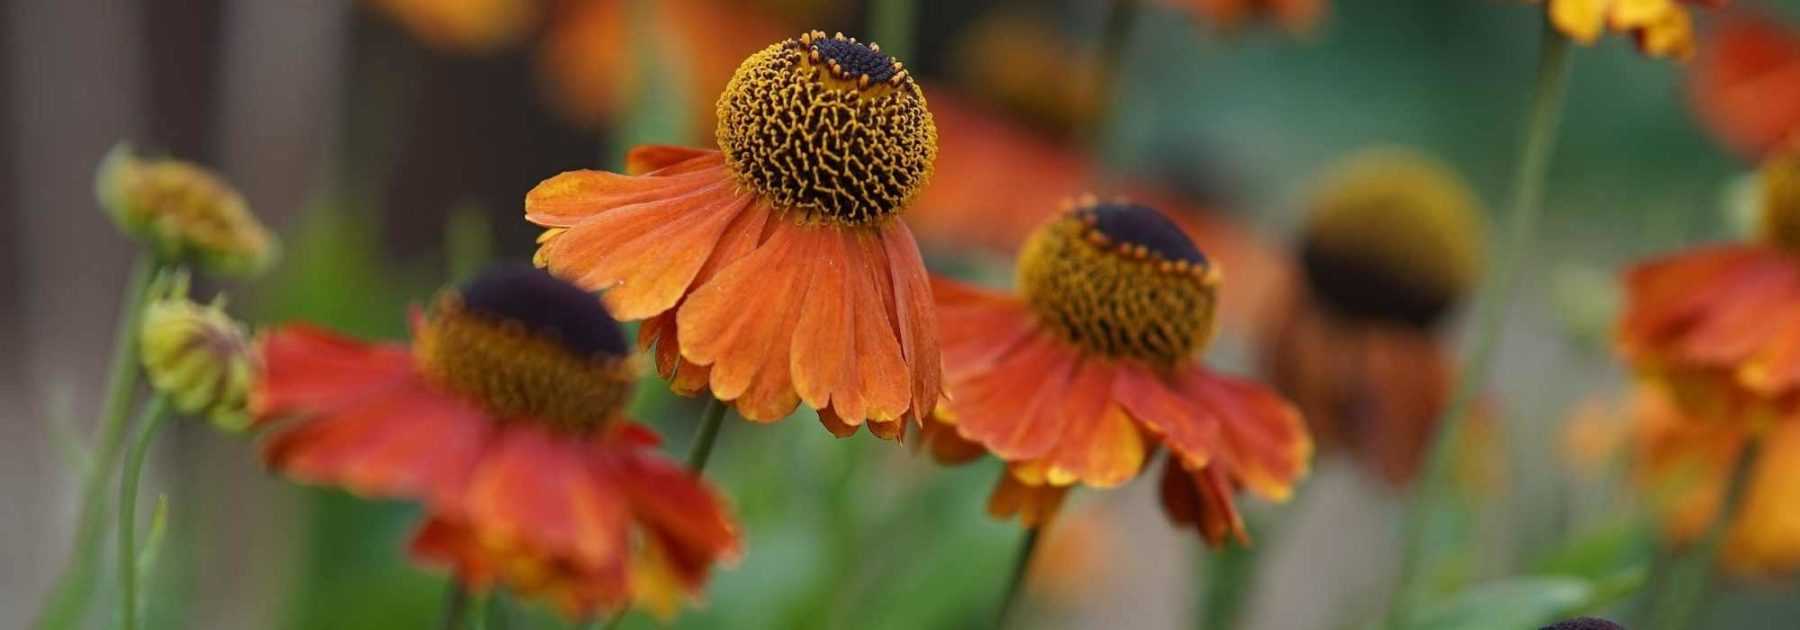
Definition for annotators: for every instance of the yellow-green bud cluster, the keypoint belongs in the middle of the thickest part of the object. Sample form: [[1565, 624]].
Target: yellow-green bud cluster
[[183, 212], [196, 355]]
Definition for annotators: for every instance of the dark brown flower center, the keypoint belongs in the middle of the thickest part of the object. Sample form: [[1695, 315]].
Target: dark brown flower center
[[526, 346]]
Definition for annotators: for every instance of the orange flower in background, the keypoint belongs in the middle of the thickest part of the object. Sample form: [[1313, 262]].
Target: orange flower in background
[[475, 26], [505, 418], [1078, 378], [1684, 465], [1298, 16], [1745, 85], [1661, 28], [963, 211], [1392, 244], [1719, 326], [591, 75], [776, 270]]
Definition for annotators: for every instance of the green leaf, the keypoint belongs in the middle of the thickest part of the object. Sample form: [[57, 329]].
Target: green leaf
[[1507, 604]]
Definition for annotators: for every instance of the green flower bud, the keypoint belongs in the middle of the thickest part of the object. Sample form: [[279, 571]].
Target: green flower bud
[[183, 212], [196, 355]]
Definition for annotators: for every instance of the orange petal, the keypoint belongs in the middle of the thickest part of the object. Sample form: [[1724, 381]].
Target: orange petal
[[568, 198], [311, 370], [646, 256], [824, 360], [836, 425], [535, 490], [1738, 324], [1191, 431], [1266, 444], [741, 323], [1099, 445], [373, 446], [1034, 505], [1201, 498], [1665, 295], [654, 158], [1745, 84], [883, 380], [1010, 409], [915, 316]]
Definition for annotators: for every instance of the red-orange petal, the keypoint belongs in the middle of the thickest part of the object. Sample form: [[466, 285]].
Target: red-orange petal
[[741, 323], [1098, 445], [1202, 498], [1011, 409], [978, 327], [665, 160], [646, 256], [1745, 84], [1266, 446], [915, 317], [311, 370], [1034, 505], [570, 197]]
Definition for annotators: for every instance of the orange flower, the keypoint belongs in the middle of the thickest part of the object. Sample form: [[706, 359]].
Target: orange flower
[[1662, 28], [1684, 465], [1297, 16], [591, 75], [1391, 245], [476, 26], [1078, 378], [963, 210], [505, 418], [1746, 84], [1719, 327], [776, 270]]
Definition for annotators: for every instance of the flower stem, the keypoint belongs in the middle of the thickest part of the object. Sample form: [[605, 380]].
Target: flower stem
[[1229, 573], [1027, 548], [456, 605], [68, 602], [150, 421], [1527, 205], [1688, 583], [710, 421]]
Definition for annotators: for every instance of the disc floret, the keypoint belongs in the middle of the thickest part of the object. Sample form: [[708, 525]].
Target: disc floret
[[1121, 280], [526, 346], [828, 127]]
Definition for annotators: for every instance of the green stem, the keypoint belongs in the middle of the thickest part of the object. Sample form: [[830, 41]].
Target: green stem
[[1688, 584], [150, 421], [1021, 566], [1229, 572], [710, 421], [456, 605], [891, 25], [68, 602], [1527, 205]]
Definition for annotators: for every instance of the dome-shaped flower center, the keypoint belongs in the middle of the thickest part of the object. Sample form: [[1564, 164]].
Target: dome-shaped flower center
[[527, 346], [1392, 236], [1121, 280], [1780, 224], [828, 127]]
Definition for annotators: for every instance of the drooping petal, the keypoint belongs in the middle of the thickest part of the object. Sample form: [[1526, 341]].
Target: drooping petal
[[741, 322], [978, 327], [1190, 431], [1266, 446], [1201, 498], [915, 317], [537, 491], [1099, 445], [883, 380], [1011, 409], [1034, 505]]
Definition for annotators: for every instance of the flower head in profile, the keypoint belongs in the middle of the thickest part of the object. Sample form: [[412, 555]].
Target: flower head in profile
[[1661, 28], [1096, 361], [1745, 84], [1297, 16], [777, 269], [505, 418], [184, 213], [1391, 245], [196, 355], [1683, 465], [1719, 326]]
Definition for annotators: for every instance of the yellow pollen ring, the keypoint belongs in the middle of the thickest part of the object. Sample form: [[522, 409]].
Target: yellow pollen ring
[[519, 374], [1114, 298]]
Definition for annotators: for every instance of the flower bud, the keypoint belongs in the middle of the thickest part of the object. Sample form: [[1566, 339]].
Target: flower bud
[[184, 212], [197, 356]]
